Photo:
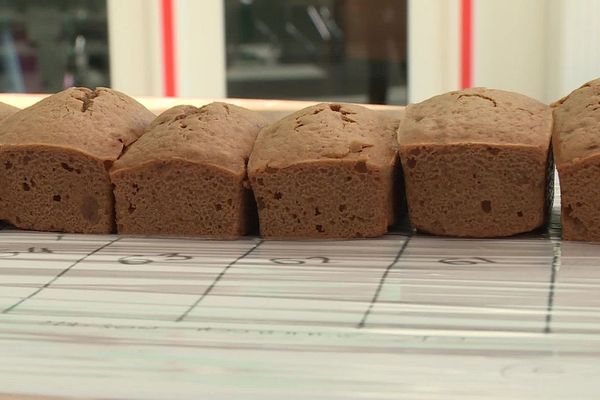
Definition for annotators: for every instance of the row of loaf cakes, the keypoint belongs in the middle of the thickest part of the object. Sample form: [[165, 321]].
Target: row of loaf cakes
[[477, 163], [325, 171], [96, 161]]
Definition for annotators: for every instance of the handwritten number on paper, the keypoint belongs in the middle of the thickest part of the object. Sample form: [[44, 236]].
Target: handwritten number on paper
[[141, 259], [39, 250], [466, 261], [33, 250], [299, 261], [134, 260], [175, 257]]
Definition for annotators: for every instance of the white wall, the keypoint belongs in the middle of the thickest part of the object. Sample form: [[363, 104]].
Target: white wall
[[136, 54], [433, 47], [573, 45], [542, 48], [510, 45], [200, 48], [135, 46]]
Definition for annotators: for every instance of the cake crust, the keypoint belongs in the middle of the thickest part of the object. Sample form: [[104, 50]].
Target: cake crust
[[476, 163], [326, 171], [187, 175], [55, 156]]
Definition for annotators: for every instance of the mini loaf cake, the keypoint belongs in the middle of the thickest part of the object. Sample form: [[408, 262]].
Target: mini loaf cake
[[187, 175], [6, 110], [576, 144], [326, 171], [55, 157], [476, 163]]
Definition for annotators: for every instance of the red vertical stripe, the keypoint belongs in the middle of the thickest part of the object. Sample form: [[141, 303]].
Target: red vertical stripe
[[466, 42], [168, 42]]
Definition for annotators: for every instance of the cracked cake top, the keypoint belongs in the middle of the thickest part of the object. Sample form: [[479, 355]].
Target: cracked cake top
[[477, 116], [100, 123]]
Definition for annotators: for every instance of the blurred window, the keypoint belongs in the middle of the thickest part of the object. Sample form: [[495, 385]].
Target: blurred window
[[47, 45], [336, 50]]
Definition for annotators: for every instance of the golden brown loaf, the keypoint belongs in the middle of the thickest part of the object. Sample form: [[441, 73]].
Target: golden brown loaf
[[6, 110], [54, 158], [187, 175], [476, 163], [576, 144], [325, 171]]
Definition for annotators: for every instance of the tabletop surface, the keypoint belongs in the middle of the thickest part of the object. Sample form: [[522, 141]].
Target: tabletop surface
[[404, 316]]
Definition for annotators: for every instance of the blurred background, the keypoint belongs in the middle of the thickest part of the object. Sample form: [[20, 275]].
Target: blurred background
[[47, 45], [367, 51]]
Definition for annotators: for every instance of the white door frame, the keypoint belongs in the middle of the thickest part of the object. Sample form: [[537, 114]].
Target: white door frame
[[137, 47]]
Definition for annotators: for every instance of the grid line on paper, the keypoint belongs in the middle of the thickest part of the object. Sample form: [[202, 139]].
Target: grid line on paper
[[217, 279], [555, 265], [363, 321], [63, 272]]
